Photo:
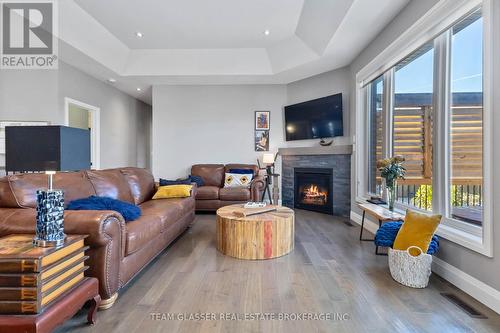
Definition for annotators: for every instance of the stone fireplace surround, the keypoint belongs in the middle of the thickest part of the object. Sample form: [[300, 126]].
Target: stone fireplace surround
[[338, 158]]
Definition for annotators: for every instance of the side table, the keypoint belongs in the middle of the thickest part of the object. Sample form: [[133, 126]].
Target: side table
[[57, 313]]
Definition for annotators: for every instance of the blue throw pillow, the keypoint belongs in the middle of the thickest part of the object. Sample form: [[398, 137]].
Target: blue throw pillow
[[197, 179], [241, 171], [129, 211], [166, 182]]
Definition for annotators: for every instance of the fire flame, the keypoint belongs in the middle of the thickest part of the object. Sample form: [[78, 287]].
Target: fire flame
[[313, 191]]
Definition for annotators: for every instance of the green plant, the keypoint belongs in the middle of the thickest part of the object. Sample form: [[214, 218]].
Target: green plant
[[423, 197], [392, 169]]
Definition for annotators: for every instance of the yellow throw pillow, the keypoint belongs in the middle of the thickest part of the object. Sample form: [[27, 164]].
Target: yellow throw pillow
[[417, 230], [173, 191]]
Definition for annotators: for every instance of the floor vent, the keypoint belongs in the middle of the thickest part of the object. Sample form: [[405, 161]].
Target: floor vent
[[464, 306]]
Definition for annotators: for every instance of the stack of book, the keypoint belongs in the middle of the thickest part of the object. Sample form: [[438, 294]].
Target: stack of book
[[32, 277]]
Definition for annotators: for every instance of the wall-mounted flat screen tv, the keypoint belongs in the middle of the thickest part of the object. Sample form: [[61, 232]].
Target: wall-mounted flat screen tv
[[316, 119]]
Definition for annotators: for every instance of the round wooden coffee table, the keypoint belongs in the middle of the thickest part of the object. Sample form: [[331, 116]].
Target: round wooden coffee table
[[262, 236]]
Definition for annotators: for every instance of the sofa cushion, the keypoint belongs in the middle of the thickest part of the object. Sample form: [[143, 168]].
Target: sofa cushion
[[110, 183], [7, 198], [141, 183], [207, 193], [74, 184], [208, 205], [141, 231], [168, 210], [234, 194], [212, 174]]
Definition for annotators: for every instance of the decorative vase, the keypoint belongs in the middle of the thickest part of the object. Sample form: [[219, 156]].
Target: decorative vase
[[391, 196]]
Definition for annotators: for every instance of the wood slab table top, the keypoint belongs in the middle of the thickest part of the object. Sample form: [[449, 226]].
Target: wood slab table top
[[381, 213]]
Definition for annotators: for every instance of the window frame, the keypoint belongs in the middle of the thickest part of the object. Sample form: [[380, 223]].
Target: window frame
[[435, 25]]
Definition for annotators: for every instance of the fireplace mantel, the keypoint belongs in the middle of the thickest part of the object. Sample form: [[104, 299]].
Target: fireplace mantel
[[319, 150]]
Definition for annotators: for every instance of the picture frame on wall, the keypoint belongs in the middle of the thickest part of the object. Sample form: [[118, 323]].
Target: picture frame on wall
[[261, 140], [262, 120]]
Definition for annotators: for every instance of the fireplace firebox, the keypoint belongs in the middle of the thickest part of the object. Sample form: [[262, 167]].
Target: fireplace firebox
[[313, 189]]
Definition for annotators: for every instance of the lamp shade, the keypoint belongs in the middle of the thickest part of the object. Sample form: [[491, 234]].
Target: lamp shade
[[43, 148], [268, 158]]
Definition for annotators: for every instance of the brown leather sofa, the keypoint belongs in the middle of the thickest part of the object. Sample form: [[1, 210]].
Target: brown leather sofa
[[213, 195], [118, 250]]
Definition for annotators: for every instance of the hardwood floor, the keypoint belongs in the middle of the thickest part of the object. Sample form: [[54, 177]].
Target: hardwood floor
[[329, 271]]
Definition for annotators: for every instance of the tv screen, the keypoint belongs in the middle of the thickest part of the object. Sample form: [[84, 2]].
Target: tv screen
[[319, 118]]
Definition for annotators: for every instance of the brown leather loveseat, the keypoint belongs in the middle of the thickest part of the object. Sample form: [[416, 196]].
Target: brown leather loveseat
[[118, 250], [213, 195]]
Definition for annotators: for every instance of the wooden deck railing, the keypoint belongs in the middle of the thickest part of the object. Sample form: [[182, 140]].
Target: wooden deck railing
[[413, 127]]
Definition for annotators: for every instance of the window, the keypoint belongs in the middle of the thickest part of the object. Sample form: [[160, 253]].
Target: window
[[434, 91], [412, 126], [375, 134], [412, 121], [466, 120]]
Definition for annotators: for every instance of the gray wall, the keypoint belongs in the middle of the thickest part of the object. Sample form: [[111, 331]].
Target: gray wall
[[39, 95], [329, 83], [477, 265], [211, 124], [215, 124]]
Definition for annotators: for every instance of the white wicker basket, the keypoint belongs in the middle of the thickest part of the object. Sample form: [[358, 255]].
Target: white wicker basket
[[411, 271]]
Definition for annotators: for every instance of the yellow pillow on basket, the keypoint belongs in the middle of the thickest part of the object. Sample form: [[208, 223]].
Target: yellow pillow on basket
[[417, 230], [173, 191]]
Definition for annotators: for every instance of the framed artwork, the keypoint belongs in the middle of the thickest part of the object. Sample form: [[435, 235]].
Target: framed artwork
[[261, 140], [262, 120]]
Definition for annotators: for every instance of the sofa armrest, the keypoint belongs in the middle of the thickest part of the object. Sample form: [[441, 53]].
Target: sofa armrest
[[106, 239], [257, 188], [99, 225]]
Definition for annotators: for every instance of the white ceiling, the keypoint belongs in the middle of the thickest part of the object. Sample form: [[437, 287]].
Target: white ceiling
[[216, 41], [196, 24]]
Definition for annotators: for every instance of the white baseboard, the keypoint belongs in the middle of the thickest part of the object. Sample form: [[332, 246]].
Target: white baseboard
[[479, 290], [484, 293]]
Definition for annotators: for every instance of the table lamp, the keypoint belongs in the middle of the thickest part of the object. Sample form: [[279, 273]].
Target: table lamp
[[268, 158], [47, 149]]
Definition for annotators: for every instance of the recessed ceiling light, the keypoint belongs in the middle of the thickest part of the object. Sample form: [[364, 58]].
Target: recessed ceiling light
[[267, 32], [111, 80], [138, 34], [138, 89]]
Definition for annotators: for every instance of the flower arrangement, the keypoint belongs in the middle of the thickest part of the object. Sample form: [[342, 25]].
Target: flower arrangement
[[392, 169]]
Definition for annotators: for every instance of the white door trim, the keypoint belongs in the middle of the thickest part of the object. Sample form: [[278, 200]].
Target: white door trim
[[96, 129]]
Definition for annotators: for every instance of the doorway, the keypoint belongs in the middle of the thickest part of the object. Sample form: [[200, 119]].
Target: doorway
[[85, 116]]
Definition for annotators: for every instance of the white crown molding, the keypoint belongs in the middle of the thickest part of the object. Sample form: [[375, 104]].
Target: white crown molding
[[81, 31]]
